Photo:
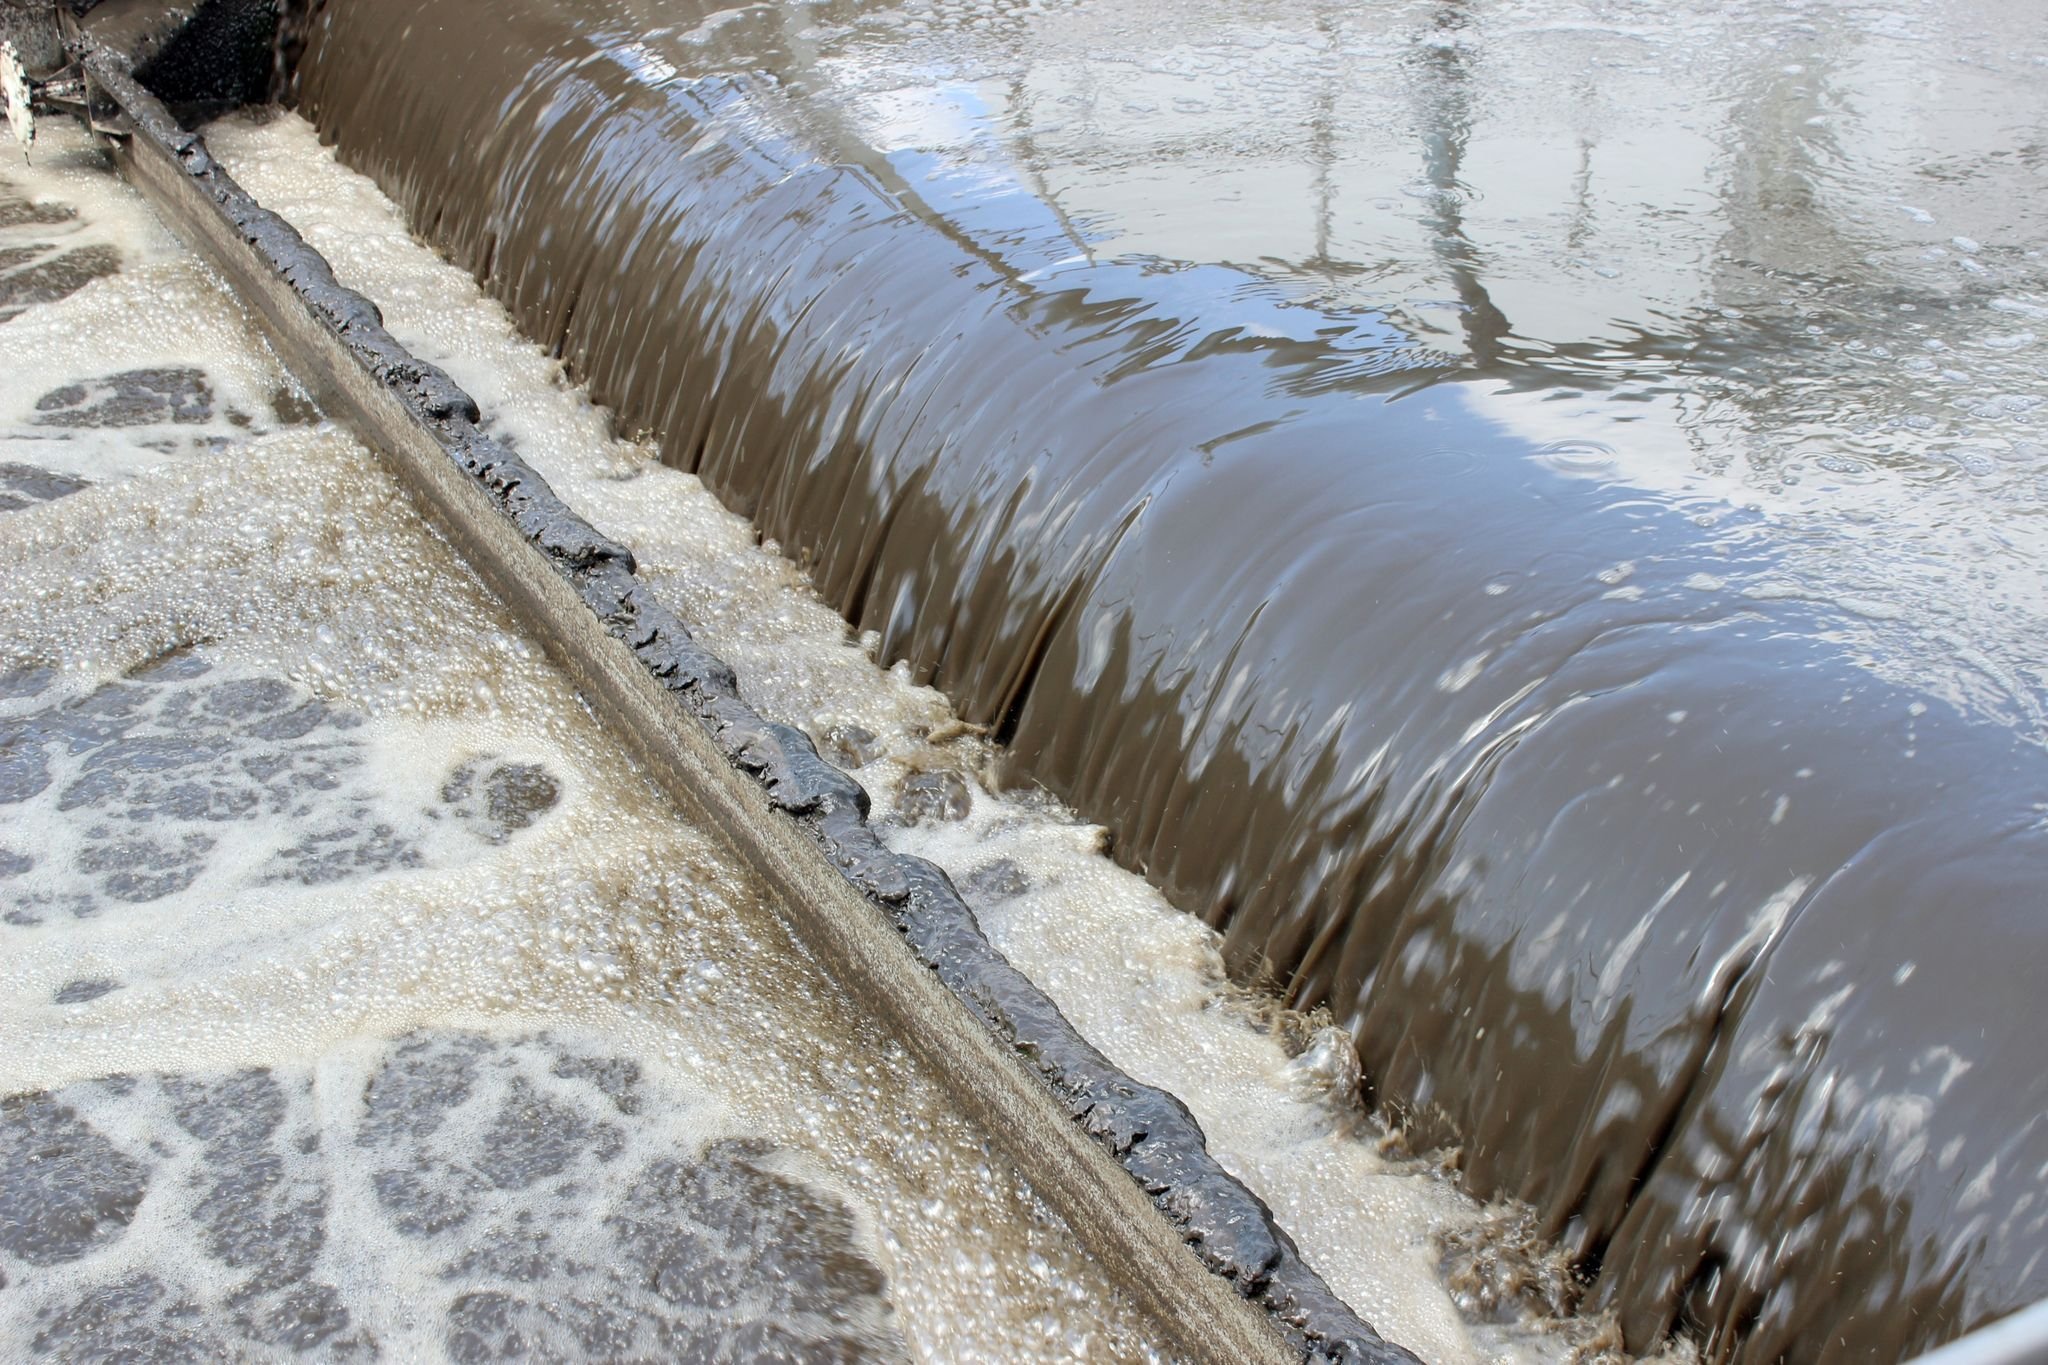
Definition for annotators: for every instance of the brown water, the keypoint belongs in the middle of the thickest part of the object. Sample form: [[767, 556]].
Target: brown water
[[1578, 620]]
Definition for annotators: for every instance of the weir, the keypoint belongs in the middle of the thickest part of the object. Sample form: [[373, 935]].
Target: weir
[[1684, 903], [1612, 865], [796, 823]]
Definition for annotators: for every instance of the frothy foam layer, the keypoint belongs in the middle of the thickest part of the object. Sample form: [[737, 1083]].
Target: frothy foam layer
[[1142, 981], [361, 997], [106, 314], [184, 778], [486, 1196]]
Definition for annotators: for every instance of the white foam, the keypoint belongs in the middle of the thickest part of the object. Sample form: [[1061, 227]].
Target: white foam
[[160, 312], [410, 1193], [284, 559]]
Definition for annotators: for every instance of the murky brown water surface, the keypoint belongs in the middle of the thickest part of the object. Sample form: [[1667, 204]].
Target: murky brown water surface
[[1527, 516]]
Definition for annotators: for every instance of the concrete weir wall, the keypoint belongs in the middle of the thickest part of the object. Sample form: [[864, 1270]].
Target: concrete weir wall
[[1122, 1162], [1688, 927]]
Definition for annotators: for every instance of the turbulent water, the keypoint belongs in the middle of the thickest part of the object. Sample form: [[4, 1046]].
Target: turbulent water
[[1524, 515], [364, 1002]]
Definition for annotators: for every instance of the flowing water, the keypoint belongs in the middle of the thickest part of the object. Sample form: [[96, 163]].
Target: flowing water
[[1525, 516], [363, 1001]]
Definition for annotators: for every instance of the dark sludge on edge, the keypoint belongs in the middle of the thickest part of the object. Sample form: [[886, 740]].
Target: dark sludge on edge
[[1145, 1129], [1586, 872]]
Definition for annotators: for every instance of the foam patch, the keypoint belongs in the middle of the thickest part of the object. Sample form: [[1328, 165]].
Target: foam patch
[[483, 1196], [363, 1000]]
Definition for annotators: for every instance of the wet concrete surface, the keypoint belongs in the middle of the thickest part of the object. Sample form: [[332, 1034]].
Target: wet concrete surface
[[1663, 838]]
